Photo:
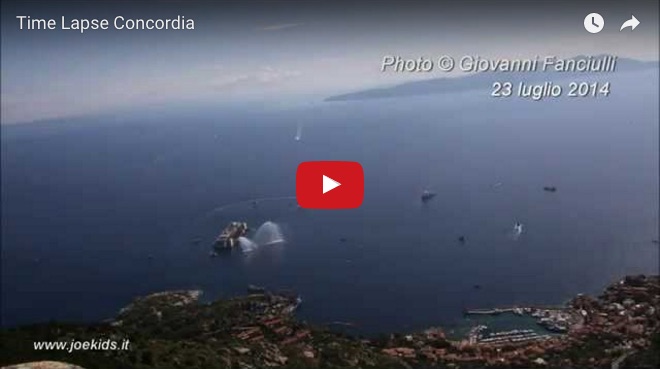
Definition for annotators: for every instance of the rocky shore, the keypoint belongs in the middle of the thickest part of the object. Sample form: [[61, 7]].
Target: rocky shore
[[174, 330]]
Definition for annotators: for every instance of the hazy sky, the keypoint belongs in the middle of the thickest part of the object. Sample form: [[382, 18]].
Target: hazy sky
[[271, 51]]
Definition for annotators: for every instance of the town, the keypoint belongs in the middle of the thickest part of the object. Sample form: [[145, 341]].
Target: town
[[591, 332], [176, 330]]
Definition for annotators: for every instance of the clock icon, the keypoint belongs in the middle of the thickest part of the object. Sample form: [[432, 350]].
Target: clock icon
[[594, 23]]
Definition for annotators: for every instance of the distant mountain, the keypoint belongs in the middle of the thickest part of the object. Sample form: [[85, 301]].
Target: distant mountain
[[479, 81]]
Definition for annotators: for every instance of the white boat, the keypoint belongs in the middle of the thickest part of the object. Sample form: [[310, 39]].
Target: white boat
[[518, 228]]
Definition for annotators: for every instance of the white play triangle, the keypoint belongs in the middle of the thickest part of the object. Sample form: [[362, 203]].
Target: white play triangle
[[329, 184]]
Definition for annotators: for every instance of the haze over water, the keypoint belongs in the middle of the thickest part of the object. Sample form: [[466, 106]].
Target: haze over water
[[98, 211]]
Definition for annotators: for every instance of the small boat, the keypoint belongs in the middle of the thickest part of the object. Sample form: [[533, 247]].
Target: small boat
[[550, 189], [427, 195], [518, 228]]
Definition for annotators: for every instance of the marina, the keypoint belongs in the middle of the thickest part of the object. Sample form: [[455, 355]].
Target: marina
[[482, 334], [549, 321]]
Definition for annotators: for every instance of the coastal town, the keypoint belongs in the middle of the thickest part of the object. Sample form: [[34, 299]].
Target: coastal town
[[621, 328], [589, 332]]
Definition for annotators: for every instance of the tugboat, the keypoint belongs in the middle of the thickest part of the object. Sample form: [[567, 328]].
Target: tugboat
[[427, 195], [228, 239]]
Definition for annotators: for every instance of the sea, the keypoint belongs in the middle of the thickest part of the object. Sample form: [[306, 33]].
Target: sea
[[101, 209]]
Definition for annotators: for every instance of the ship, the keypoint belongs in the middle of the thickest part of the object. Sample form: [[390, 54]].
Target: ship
[[229, 237], [427, 195]]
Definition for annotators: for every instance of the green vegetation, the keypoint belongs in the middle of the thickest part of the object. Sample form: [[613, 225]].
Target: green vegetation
[[647, 359], [173, 330]]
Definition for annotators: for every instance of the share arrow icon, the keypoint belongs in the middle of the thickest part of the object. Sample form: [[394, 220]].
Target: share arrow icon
[[632, 23]]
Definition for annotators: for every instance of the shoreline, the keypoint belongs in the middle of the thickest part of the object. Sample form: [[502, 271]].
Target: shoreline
[[262, 329]]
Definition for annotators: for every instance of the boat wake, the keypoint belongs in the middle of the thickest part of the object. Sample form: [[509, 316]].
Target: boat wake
[[254, 202], [517, 231]]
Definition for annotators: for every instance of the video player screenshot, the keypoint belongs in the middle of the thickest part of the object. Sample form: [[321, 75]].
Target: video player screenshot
[[329, 184]]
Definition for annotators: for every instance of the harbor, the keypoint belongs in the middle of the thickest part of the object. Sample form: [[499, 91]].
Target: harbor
[[518, 324], [482, 334]]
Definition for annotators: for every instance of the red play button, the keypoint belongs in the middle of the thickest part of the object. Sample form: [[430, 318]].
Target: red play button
[[329, 184]]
